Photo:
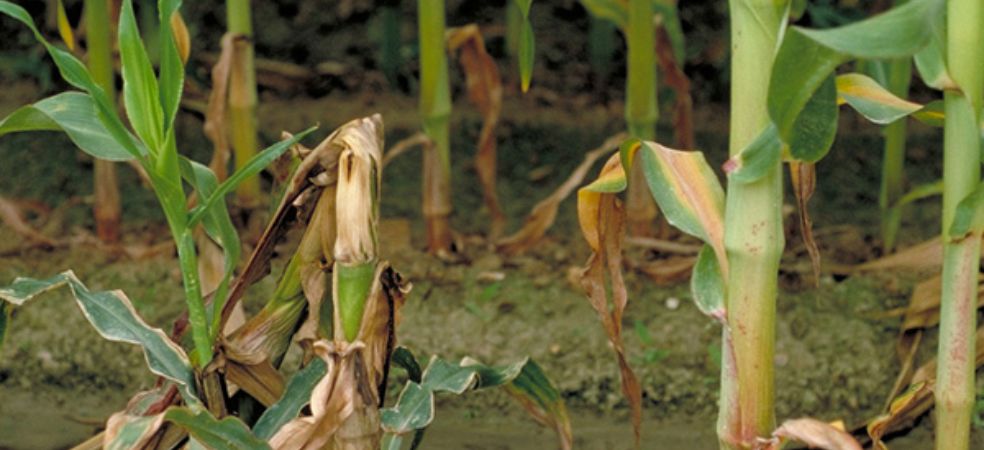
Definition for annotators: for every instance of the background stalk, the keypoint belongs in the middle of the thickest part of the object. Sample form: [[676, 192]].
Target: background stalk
[[435, 108], [242, 100], [390, 41], [641, 111], [961, 174], [893, 164], [106, 209], [753, 237]]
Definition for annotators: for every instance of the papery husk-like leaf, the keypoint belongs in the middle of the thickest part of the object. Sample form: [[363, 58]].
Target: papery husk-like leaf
[[602, 216], [484, 87], [542, 217], [803, 177], [912, 403], [261, 381], [814, 433], [923, 310], [344, 409]]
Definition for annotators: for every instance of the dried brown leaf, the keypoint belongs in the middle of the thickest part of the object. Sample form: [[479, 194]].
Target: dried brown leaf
[[669, 271], [604, 274], [804, 181], [672, 75], [484, 85], [261, 381], [545, 212], [815, 434], [911, 404], [215, 113], [924, 305], [417, 139], [925, 255]]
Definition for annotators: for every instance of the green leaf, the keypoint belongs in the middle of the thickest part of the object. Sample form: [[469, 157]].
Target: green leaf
[[404, 358], [112, 315], [931, 60], [756, 159], [296, 395], [707, 285], [140, 90], [814, 130], [527, 55], [441, 375], [806, 58], [252, 167], [75, 73], [230, 433], [872, 100], [413, 410], [612, 10], [687, 191], [172, 69], [893, 215], [74, 113], [969, 216], [134, 433]]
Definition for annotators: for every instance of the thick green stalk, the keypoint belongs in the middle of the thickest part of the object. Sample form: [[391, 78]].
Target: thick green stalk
[[107, 209], [753, 237], [641, 111], [435, 108], [961, 174], [242, 99]]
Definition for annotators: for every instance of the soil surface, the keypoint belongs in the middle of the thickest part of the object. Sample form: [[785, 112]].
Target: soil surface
[[835, 350]]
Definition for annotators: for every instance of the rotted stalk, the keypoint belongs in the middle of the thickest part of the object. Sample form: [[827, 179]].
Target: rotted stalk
[[242, 99], [961, 254], [753, 237], [641, 111], [107, 209], [435, 108]]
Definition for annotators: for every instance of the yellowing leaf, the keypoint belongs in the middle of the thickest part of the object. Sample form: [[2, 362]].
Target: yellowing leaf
[[872, 100], [65, 28]]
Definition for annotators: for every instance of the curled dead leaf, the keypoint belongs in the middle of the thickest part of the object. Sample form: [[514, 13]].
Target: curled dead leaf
[[814, 433], [804, 179]]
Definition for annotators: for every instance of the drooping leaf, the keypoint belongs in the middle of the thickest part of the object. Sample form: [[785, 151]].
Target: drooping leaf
[[688, 193], [669, 56], [873, 101], [806, 58], [908, 405], [75, 114], [969, 216], [112, 315], [229, 433], [414, 409], [404, 358], [602, 217], [485, 91], [442, 376], [931, 60], [803, 177], [527, 53], [296, 395]]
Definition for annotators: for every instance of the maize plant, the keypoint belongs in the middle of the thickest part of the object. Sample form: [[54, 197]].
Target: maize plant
[[792, 116], [242, 97]]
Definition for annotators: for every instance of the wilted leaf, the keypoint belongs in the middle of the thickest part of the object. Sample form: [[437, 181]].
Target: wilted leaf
[[544, 213], [910, 404], [526, 53], [215, 113], [873, 101], [125, 432], [485, 91], [414, 410], [601, 216], [923, 310], [807, 58], [815, 434], [804, 181], [925, 255], [707, 285]]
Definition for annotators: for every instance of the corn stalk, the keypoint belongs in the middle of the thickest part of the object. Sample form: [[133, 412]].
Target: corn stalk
[[641, 111], [99, 48], [961, 175], [242, 99], [435, 109]]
